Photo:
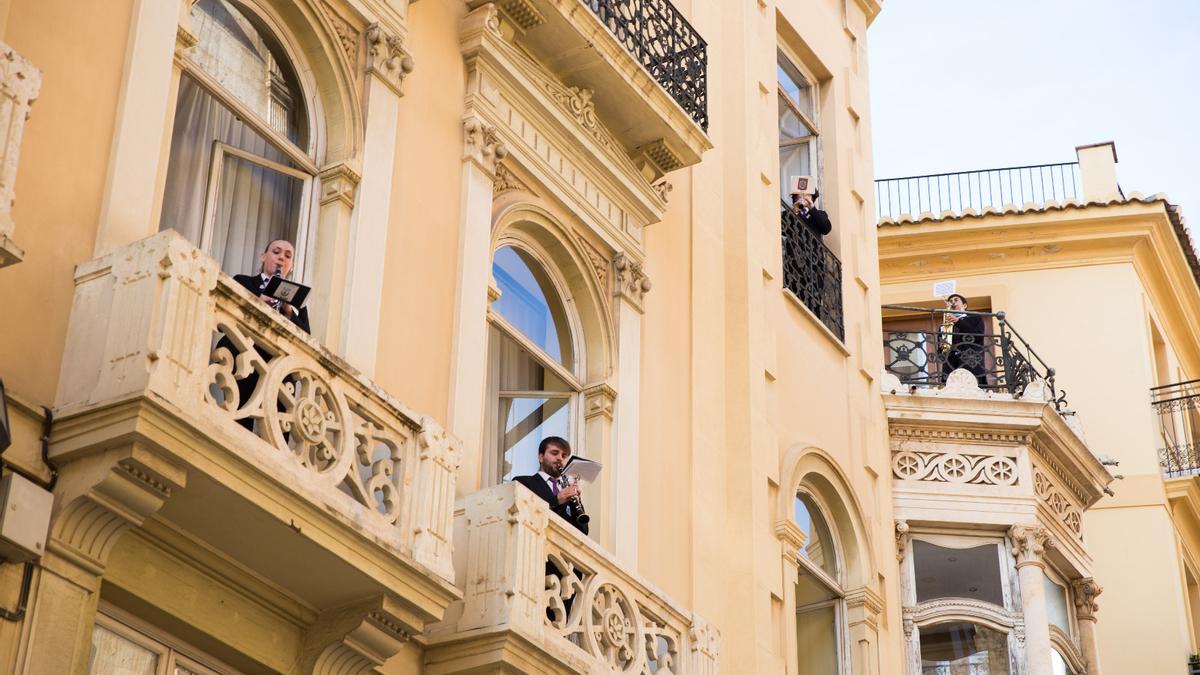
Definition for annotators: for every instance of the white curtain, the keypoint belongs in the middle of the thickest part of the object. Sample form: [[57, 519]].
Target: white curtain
[[255, 205]]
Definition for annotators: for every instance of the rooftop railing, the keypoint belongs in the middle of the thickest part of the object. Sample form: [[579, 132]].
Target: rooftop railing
[[1178, 408], [811, 271], [930, 346], [976, 191], [666, 45]]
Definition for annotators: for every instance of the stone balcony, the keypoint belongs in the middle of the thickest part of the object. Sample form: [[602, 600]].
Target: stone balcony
[[318, 464], [539, 597]]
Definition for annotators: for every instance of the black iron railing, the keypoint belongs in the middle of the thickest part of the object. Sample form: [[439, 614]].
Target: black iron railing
[[812, 271], [1178, 408], [667, 46], [931, 346], [977, 190]]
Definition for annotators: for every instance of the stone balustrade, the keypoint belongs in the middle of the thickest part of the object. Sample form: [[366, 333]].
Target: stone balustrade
[[157, 320], [539, 595]]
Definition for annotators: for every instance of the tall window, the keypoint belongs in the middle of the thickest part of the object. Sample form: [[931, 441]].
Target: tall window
[[531, 362], [240, 171], [820, 609], [120, 647], [798, 129]]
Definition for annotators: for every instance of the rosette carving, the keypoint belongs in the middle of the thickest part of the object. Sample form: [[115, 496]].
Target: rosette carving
[[952, 467]]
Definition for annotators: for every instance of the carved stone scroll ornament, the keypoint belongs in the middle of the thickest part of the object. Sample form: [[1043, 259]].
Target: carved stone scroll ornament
[[482, 144], [1058, 502], [953, 467], [631, 282], [387, 58], [1085, 592], [1029, 543]]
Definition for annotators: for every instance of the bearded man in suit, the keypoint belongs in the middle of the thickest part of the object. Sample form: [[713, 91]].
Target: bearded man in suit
[[549, 483], [966, 341]]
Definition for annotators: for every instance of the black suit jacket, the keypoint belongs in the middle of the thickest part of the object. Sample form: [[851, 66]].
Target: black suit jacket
[[538, 486], [816, 220], [969, 329], [256, 285]]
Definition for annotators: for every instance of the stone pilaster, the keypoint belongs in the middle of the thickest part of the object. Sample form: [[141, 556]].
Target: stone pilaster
[[1029, 544]]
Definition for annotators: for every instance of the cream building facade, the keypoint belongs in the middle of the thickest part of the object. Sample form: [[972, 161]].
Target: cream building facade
[[519, 218], [1106, 285]]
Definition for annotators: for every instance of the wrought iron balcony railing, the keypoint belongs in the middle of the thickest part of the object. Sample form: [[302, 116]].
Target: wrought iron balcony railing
[[976, 190], [666, 45], [557, 598], [812, 271], [1178, 408], [930, 347]]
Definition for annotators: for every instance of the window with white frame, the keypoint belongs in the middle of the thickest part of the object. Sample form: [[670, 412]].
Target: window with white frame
[[533, 381], [242, 162], [963, 647], [820, 604], [127, 646], [798, 130]]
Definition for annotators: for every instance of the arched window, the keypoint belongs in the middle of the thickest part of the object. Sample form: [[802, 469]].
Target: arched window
[[961, 647], [241, 165], [820, 608], [532, 363]]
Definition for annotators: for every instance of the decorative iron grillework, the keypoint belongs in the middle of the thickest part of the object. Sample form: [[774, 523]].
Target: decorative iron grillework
[[1000, 359], [1178, 408], [667, 46], [812, 271]]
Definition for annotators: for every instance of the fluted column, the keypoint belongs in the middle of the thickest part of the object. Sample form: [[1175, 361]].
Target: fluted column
[[1085, 592], [1029, 543]]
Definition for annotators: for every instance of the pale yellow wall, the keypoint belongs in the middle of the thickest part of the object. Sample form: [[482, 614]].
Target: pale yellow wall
[[64, 157]]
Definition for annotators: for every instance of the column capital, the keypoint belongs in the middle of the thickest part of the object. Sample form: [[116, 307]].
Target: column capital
[[387, 58], [629, 280], [598, 400], [482, 145], [1029, 544], [792, 537], [338, 183], [1085, 592], [902, 539]]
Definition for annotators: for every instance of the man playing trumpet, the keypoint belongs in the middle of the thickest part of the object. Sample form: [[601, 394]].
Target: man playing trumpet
[[550, 484], [961, 341]]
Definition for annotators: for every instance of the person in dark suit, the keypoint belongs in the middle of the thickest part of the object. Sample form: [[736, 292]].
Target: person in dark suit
[[549, 484], [815, 219], [277, 258], [966, 341]]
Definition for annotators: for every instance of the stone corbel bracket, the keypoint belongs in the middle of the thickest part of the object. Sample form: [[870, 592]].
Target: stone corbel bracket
[[482, 145], [102, 496], [338, 184], [599, 400], [387, 58], [358, 638], [630, 281]]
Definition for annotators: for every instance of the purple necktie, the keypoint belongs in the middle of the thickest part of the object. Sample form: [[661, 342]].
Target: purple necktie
[[554, 486]]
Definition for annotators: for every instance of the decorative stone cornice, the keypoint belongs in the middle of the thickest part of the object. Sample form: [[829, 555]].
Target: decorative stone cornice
[[1029, 543], [962, 609], [630, 282], [387, 58], [866, 600], [598, 400], [338, 183], [482, 145], [523, 13], [358, 638], [961, 435], [656, 159], [1085, 591], [902, 539], [792, 538]]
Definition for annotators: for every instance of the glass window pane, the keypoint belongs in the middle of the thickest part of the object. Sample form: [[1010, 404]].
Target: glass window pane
[[264, 198], [794, 85], [113, 654], [958, 573], [529, 302], [818, 542], [520, 371], [816, 641], [524, 422], [1056, 604], [791, 127], [255, 206], [794, 160], [963, 649], [1058, 665], [249, 64]]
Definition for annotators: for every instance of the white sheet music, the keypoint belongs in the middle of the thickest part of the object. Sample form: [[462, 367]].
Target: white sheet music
[[587, 470]]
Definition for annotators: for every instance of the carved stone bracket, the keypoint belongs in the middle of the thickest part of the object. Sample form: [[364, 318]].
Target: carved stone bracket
[[1029, 543], [184, 40], [656, 160], [663, 189], [482, 145], [864, 606], [1085, 592], [902, 539], [631, 283], [357, 639], [387, 58], [103, 498], [792, 538], [507, 182], [338, 183], [598, 400]]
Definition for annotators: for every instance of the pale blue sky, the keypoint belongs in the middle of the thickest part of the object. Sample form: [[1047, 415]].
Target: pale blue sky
[[958, 85]]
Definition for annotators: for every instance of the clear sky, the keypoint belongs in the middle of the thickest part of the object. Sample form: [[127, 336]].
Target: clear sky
[[958, 85]]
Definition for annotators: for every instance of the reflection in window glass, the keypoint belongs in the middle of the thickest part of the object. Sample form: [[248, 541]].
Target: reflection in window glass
[[794, 85], [1058, 665], [1056, 604], [818, 542], [113, 654], [958, 573], [963, 649], [816, 640], [528, 302]]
